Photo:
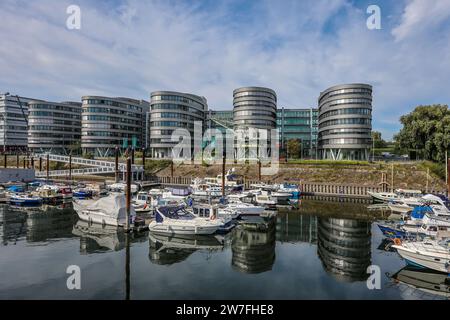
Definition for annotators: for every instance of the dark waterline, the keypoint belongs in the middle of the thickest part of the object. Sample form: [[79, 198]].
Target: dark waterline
[[321, 251]]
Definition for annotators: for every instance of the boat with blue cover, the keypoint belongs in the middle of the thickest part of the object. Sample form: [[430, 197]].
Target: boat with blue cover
[[25, 200], [82, 194]]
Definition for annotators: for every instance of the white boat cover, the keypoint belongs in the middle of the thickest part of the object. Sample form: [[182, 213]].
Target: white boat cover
[[114, 205]]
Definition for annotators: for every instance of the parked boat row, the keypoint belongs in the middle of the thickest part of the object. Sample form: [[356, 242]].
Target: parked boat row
[[422, 235]]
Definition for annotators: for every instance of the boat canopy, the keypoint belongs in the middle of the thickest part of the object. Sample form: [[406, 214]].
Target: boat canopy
[[175, 213], [113, 205]]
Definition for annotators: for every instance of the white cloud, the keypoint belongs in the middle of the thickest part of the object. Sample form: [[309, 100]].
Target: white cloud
[[420, 15]]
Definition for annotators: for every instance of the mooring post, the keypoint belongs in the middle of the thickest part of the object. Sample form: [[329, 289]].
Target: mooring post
[[259, 170], [132, 155], [223, 176], [143, 157], [40, 164], [17, 161], [117, 165], [24, 163], [128, 194], [392, 177], [48, 167], [32, 162], [70, 167], [5, 156]]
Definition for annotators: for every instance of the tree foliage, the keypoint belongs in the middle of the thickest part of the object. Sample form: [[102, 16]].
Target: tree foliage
[[378, 141], [427, 131], [293, 148]]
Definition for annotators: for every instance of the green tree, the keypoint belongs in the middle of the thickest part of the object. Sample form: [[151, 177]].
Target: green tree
[[426, 130], [293, 148], [378, 141]]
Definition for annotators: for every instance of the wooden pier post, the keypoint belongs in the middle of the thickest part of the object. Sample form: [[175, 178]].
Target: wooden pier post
[[223, 176], [17, 161], [40, 164], [48, 167], [116, 167], [24, 163], [32, 162], [5, 157], [259, 170], [128, 194], [132, 155], [70, 167]]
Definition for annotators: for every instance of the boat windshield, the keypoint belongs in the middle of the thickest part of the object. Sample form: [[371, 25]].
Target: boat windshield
[[176, 213]]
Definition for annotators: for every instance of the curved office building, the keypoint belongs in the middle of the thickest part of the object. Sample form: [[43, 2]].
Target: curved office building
[[170, 111], [110, 122], [254, 107], [344, 248], [345, 122], [54, 127]]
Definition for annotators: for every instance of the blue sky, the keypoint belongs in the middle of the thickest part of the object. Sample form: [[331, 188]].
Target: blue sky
[[298, 48]]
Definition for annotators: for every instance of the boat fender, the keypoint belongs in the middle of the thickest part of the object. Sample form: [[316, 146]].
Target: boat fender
[[397, 241]]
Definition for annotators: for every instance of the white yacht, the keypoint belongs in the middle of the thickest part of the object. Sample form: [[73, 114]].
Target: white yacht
[[110, 210], [178, 220], [432, 254], [398, 194]]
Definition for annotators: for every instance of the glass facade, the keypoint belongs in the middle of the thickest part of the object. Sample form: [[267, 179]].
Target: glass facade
[[301, 125]]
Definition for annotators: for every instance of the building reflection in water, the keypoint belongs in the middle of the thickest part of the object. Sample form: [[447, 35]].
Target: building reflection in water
[[167, 250], [35, 224], [294, 227], [253, 251], [344, 248]]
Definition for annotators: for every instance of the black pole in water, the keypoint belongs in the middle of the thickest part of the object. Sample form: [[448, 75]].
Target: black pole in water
[[24, 163], [17, 161], [117, 165], [132, 155], [127, 266], [128, 194], [40, 164], [32, 163], [5, 156]]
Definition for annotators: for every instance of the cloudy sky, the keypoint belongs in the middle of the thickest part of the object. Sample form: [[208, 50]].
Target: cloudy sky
[[298, 48]]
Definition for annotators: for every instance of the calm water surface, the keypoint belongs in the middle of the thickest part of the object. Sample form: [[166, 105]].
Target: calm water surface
[[320, 251]]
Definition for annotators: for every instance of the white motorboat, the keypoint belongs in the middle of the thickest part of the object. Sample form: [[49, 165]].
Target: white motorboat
[[398, 194], [121, 187], [178, 220], [431, 254], [110, 210], [399, 206], [265, 199], [201, 189], [245, 208], [25, 200]]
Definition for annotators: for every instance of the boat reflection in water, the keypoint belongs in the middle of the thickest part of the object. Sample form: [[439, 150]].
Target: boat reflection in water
[[96, 238], [253, 249], [424, 280], [344, 248], [167, 249]]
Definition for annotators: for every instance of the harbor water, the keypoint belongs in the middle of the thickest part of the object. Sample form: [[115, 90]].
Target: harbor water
[[319, 251]]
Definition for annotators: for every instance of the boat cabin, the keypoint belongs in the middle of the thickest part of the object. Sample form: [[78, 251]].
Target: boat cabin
[[206, 211]]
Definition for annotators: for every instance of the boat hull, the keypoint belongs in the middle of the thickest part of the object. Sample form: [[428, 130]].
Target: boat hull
[[170, 229], [423, 260]]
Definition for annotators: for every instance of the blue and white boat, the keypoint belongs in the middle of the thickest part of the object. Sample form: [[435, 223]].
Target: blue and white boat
[[82, 194], [25, 200]]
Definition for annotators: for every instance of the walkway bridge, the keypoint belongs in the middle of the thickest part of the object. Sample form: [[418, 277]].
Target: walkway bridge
[[95, 167]]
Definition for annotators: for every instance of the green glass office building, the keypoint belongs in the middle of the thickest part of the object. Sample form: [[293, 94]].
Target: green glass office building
[[301, 125]]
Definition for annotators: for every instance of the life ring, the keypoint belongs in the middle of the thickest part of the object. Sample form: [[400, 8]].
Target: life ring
[[397, 241]]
